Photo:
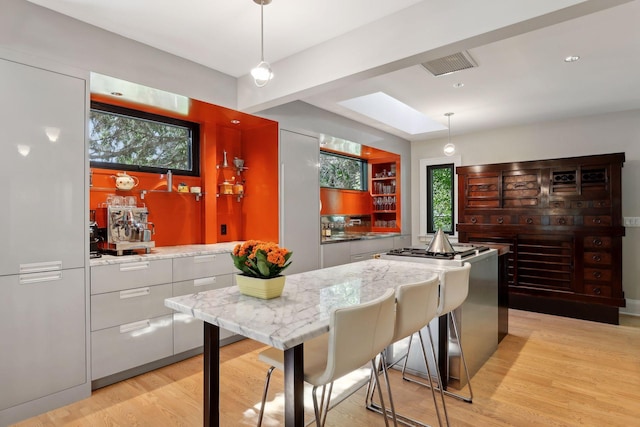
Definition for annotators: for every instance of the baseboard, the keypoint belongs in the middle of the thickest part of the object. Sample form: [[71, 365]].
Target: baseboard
[[632, 308]]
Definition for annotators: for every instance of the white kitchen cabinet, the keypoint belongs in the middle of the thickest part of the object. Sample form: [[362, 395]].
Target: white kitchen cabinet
[[198, 274], [44, 229], [42, 325], [366, 249], [403, 241], [128, 275], [43, 214], [336, 254], [300, 200]]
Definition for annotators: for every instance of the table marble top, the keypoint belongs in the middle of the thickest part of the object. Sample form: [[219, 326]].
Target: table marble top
[[302, 311]]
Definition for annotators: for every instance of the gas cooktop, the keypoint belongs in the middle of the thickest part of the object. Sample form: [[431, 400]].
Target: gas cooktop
[[459, 252]]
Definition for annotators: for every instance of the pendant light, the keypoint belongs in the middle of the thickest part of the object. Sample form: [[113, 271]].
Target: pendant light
[[262, 72], [449, 149]]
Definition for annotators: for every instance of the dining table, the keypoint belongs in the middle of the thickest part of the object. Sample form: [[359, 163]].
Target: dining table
[[300, 313]]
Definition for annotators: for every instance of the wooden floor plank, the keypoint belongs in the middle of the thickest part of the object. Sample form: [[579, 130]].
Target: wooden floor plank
[[549, 371]]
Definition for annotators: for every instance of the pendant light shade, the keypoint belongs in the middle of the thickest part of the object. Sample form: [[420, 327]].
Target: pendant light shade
[[449, 148], [262, 72]]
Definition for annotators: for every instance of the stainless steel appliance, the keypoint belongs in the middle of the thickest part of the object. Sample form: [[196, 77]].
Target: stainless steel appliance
[[477, 317], [128, 228]]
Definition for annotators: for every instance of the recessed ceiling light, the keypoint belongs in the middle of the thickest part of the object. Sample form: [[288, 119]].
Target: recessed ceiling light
[[116, 93], [458, 85], [235, 122], [571, 58]]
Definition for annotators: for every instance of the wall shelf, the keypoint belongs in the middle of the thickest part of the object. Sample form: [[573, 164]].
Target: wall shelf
[[143, 193]]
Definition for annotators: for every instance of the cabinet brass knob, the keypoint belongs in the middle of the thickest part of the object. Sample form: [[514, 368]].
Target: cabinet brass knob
[[597, 220], [597, 258], [597, 242], [597, 274], [562, 221], [500, 220], [597, 291], [474, 220], [529, 220]]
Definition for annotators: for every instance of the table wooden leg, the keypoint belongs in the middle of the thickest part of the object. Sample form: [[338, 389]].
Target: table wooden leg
[[211, 375], [294, 387]]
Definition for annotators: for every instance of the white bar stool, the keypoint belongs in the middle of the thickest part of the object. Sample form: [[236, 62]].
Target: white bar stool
[[357, 334]]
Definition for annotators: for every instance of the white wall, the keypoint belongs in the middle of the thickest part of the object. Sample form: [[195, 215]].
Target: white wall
[[37, 31], [601, 134]]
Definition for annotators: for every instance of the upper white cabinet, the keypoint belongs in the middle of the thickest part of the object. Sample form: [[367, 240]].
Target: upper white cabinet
[[42, 166]]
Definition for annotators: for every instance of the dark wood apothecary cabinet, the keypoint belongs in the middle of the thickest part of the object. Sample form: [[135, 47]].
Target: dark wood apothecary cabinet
[[562, 220]]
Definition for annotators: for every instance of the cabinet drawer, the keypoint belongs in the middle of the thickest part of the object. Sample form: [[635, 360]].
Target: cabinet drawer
[[597, 220], [597, 274], [579, 204], [128, 275], [557, 204], [530, 219], [194, 267], [601, 204], [560, 220], [600, 258], [500, 219], [186, 287], [116, 308], [597, 242], [597, 290], [133, 344], [188, 333], [371, 245]]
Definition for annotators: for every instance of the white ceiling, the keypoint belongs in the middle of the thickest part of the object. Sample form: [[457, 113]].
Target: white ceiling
[[519, 79]]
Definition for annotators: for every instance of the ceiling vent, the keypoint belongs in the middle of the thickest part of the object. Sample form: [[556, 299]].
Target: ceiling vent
[[450, 64]]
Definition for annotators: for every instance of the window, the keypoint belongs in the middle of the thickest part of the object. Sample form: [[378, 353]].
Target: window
[[343, 172], [440, 198], [126, 139]]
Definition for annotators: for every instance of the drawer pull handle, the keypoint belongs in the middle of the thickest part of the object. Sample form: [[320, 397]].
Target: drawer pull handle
[[204, 281], [130, 327], [596, 258], [500, 220], [474, 220], [203, 258], [597, 291], [597, 242], [38, 267], [529, 220], [562, 221], [133, 266], [597, 274], [597, 221], [132, 293], [27, 279], [579, 204]]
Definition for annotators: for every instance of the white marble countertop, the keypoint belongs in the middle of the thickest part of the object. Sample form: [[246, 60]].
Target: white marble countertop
[[302, 311], [166, 252]]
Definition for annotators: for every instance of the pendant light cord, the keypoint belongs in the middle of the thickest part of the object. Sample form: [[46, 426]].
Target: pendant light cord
[[262, 30]]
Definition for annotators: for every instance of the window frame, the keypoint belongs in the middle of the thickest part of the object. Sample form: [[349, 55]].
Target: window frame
[[364, 167], [430, 214], [457, 161], [194, 129]]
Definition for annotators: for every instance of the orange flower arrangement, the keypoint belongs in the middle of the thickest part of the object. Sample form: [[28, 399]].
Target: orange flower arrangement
[[261, 259]]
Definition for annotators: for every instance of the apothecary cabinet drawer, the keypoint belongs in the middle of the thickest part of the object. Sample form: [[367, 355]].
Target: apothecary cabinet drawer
[[600, 220], [597, 290], [597, 274], [129, 345], [128, 275], [598, 242], [117, 308], [600, 258], [530, 219], [560, 220], [193, 267]]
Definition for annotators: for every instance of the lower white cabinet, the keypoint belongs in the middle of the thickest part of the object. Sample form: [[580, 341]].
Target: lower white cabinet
[[335, 254], [130, 345], [188, 332], [130, 325], [42, 325]]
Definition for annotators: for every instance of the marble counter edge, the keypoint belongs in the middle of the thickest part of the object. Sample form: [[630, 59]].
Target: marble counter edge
[[167, 252]]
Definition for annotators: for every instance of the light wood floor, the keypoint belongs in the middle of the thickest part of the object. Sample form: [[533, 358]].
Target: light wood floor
[[550, 371]]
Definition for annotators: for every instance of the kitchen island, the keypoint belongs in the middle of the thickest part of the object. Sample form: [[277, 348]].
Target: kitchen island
[[300, 314]]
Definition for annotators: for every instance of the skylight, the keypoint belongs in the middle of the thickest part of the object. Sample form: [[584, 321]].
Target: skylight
[[390, 111]]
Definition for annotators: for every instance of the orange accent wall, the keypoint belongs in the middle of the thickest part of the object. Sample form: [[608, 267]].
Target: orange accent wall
[[180, 218], [345, 202]]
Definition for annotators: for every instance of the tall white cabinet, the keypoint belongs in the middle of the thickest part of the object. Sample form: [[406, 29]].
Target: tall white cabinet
[[43, 224], [300, 200]]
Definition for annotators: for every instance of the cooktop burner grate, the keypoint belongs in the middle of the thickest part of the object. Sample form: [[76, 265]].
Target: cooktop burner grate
[[460, 252]]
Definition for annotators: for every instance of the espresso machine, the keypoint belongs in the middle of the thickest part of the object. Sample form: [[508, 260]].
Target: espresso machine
[[128, 228]]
